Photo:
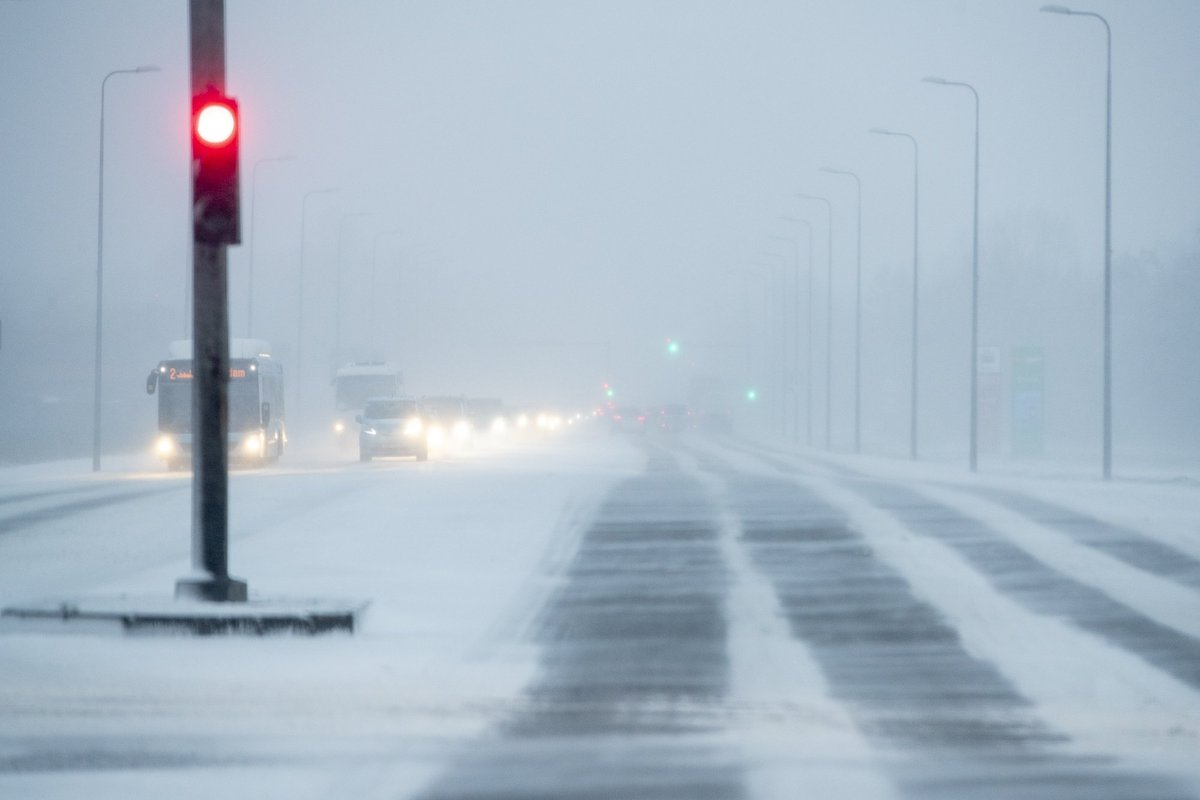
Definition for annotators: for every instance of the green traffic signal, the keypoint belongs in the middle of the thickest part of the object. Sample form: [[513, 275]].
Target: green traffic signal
[[672, 347], [751, 395]]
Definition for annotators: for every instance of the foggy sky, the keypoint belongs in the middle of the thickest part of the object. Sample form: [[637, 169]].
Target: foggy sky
[[561, 175]]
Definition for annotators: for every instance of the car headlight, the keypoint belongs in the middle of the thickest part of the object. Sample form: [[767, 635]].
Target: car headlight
[[413, 427], [165, 446], [252, 444], [339, 426]]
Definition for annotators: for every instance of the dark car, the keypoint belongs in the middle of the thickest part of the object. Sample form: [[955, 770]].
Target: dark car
[[392, 426], [627, 419], [674, 418]]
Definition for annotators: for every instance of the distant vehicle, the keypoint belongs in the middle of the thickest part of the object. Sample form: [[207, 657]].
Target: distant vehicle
[[392, 426], [257, 430], [449, 418], [627, 419], [673, 418], [354, 384], [488, 415]]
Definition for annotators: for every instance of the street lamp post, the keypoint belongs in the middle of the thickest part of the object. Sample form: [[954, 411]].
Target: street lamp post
[[973, 456], [1106, 435], [793, 356], [254, 237], [337, 333], [300, 292], [96, 436], [912, 426], [857, 306], [828, 319], [809, 340]]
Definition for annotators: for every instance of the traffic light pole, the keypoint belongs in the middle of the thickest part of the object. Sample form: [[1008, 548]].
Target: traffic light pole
[[210, 359]]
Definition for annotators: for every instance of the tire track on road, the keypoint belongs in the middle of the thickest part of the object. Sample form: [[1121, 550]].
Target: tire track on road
[[962, 730]]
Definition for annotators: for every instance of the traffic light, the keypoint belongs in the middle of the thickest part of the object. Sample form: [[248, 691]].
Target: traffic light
[[672, 347], [215, 132], [751, 395]]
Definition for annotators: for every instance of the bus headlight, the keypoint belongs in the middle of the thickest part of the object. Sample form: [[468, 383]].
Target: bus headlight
[[165, 446], [252, 445]]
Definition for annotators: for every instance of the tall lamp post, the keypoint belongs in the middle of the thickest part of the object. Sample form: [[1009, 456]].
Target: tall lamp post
[[1106, 434], [254, 237], [808, 369], [912, 426], [828, 318], [337, 332], [300, 290], [96, 437], [973, 456], [792, 354], [857, 305]]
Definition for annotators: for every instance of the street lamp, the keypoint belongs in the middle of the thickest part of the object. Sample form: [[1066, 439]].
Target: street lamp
[[300, 291], [100, 271], [1107, 400], [254, 237], [912, 427], [828, 319], [337, 333], [809, 357], [857, 307], [973, 457]]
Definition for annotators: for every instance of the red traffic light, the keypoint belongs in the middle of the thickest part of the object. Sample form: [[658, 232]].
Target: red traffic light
[[215, 122], [215, 184]]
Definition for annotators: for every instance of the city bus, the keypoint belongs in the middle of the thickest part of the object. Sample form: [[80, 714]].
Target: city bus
[[257, 431]]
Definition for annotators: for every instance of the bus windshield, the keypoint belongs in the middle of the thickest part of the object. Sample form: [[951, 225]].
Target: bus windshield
[[175, 399]]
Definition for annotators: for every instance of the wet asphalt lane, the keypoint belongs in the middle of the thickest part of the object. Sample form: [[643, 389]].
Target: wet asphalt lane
[[633, 650], [1121, 542], [1039, 587], [959, 728], [635, 661]]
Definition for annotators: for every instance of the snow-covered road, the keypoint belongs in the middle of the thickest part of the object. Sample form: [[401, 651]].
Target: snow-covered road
[[600, 617]]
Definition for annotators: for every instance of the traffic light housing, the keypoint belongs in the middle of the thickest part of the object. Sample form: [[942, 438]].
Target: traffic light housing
[[216, 129]]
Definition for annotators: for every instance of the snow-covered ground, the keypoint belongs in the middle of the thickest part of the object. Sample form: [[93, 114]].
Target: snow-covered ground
[[457, 556]]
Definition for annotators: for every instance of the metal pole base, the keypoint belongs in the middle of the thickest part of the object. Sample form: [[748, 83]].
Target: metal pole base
[[214, 590]]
